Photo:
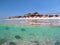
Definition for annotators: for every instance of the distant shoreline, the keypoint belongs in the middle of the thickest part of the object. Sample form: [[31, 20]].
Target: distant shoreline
[[34, 18]]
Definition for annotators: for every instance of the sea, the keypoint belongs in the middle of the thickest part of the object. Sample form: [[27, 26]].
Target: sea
[[21, 34]]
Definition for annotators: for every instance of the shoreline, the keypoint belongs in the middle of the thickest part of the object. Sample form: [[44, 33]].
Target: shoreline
[[34, 18]]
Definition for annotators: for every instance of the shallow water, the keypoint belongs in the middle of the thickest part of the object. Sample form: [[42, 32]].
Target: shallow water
[[17, 35]]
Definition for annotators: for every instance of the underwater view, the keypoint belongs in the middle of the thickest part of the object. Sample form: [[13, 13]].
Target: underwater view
[[16, 34]]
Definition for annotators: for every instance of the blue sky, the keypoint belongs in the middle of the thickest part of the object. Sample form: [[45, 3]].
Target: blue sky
[[20, 7]]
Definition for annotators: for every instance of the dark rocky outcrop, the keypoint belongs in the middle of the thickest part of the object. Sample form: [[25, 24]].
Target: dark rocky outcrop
[[12, 43], [57, 43], [2, 41], [23, 29], [18, 37], [7, 28]]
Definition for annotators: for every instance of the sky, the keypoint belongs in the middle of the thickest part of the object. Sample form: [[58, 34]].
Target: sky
[[20, 7]]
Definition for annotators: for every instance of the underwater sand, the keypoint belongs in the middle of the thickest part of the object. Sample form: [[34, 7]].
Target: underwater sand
[[16, 35]]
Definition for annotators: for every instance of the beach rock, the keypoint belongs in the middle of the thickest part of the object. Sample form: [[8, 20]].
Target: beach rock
[[12, 43], [17, 37], [23, 29], [57, 43], [2, 41]]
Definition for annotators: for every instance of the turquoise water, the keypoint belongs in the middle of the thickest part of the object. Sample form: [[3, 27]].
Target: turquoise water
[[13, 35]]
